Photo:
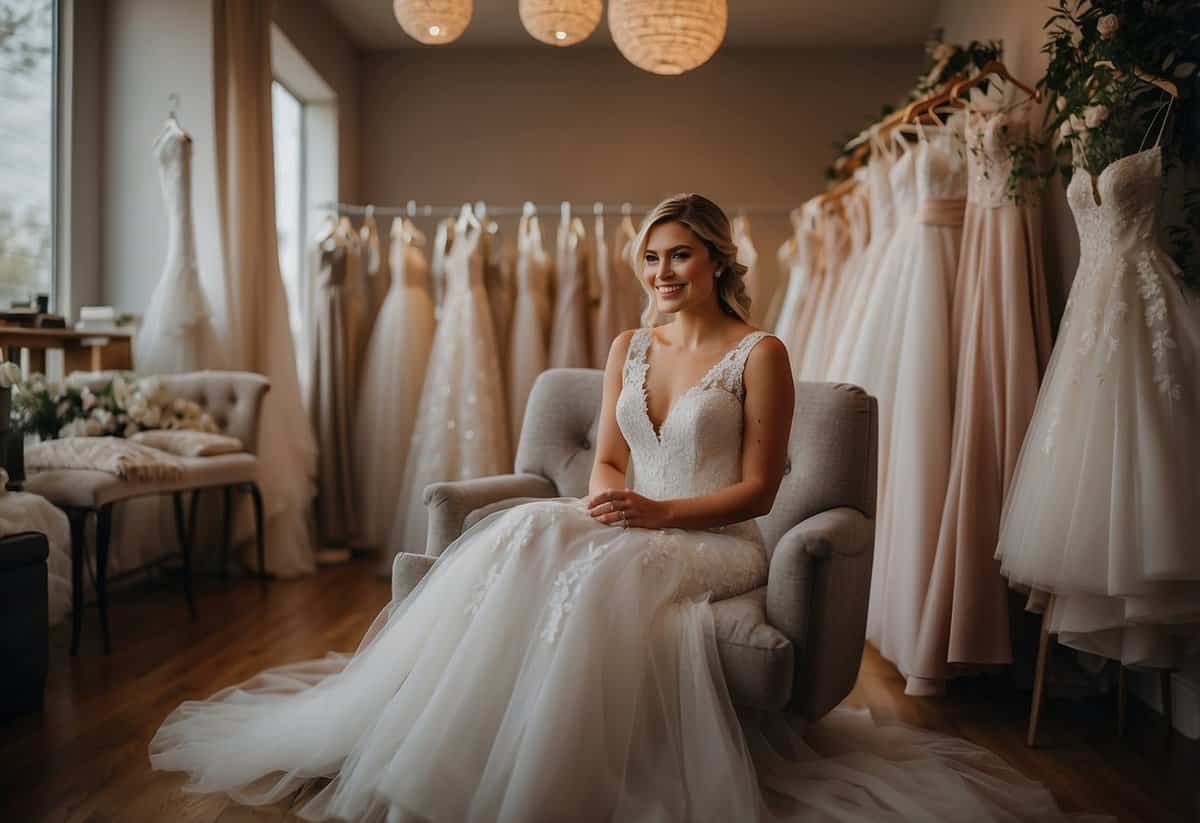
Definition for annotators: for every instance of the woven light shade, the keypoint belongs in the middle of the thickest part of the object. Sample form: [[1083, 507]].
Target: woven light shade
[[433, 22], [667, 36], [561, 22]]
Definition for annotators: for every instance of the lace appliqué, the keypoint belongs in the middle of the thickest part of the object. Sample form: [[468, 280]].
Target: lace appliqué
[[567, 585], [1155, 314], [517, 534]]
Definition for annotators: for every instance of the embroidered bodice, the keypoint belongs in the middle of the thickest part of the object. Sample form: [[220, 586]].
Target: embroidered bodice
[[992, 139], [698, 449], [1126, 214], [941, 167]]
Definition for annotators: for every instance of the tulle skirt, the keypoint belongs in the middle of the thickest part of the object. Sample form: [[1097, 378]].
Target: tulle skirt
[[462, 424], [920, 402], [390, 395], [177, 333], [1104, 508], [552, 668]]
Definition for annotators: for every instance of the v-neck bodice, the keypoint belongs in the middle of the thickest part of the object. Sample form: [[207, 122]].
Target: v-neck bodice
[[697, 449]]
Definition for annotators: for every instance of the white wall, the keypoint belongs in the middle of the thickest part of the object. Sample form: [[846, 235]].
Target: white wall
[[153, 49], [752, 127]]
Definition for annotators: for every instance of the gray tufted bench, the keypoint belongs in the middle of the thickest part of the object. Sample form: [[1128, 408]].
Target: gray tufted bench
[[234, 399], [794, 644]]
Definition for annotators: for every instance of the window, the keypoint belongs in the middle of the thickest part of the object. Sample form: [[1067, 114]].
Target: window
[[27, 141], [288, 126]]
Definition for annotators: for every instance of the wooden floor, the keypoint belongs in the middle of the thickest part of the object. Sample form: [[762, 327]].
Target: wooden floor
[[84, 758]]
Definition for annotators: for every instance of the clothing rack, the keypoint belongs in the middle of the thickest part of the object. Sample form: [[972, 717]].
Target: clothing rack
[[413, 209]]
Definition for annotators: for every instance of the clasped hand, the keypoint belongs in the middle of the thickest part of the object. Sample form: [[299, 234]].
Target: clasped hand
[[621, 507]]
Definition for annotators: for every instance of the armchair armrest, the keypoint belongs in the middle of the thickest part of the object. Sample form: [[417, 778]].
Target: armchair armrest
[[818, 588], [407, 571], [449, 503]]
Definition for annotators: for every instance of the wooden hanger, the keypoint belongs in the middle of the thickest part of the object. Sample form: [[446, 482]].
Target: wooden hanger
[[993, 69]]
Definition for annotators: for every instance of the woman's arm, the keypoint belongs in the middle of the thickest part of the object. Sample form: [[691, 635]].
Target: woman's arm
[[767, 424], [612, 452]]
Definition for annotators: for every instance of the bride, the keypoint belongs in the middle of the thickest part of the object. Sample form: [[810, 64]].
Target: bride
[[558, 662]]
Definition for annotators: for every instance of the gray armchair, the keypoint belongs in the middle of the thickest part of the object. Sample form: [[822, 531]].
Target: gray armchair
[[792, 644]]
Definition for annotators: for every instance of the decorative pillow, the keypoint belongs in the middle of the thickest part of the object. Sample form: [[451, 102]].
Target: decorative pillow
[[187, 443], [129, 461]]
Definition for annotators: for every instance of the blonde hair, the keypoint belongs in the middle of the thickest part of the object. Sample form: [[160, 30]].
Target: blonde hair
[[711, 227]]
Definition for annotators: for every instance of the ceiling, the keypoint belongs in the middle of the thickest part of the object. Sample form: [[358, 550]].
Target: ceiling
[[752, 23]]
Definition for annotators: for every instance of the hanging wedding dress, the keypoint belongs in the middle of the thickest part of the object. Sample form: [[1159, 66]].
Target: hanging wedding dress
[[528, 344], [497, 278], [378, 280], [552, 668], [834, 240], [858, 216], [1104, 508], [393, 375], [569, 337], [794, 258], [331, 387], [620, 293], [874, 260], [793, 284], [177, 333], [812, 259], [913, 481], [1002, 322], [462, 429], [443, 238], [747, 255]]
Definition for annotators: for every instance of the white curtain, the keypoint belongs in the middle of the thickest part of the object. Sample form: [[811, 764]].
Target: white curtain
[[260, 338]]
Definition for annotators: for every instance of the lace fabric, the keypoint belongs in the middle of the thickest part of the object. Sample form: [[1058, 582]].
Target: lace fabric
[[550, 668], [1105, 503]]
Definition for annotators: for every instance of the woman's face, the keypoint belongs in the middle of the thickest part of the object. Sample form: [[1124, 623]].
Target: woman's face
[[677, 268]]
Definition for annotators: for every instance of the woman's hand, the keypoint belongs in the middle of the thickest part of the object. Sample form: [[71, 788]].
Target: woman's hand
[[621, 507]]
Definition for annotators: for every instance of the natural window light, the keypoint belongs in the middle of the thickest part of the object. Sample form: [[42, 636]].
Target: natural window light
[[27, 52], [288, 121]]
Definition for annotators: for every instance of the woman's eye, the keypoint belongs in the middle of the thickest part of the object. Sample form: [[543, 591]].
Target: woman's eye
[[650, 258], [680, 255]]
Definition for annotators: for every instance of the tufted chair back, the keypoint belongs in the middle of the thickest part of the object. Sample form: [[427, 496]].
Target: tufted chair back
[[558, 436], [233, 398], [831, 451]]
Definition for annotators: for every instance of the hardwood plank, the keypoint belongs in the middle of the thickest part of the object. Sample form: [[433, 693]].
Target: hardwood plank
[[85, 757]]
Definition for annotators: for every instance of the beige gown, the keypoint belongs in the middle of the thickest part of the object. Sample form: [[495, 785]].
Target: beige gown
[[1002, 325]]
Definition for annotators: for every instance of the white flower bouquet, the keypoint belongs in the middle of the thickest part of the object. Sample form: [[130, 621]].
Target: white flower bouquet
[[122, 407]]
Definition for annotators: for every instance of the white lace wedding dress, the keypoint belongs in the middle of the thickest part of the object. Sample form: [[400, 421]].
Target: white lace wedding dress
[[552, 668], [1104, 508], [461, 431], [177, 333]]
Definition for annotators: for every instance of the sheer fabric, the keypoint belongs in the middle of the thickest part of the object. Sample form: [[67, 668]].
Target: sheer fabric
[[461, 430], [1105, 503], [550, 668], [393, 375]]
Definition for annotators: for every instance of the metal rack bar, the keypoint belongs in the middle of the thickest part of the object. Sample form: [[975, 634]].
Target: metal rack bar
[[506, 210]]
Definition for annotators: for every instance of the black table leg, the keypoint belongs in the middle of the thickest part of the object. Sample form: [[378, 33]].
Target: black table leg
[[185, 546], [103, 533], [226, 528], [260, 538], [77, 519]]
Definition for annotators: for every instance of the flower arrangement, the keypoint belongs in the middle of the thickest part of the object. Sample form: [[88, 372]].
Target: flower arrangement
[[943, 61], [122, 407]]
